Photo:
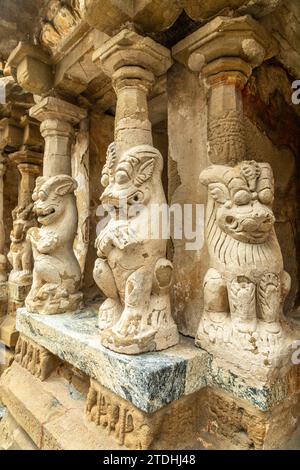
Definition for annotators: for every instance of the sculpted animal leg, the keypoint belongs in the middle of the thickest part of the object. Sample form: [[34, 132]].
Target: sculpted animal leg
[[110, 310], [27, 258], [216, 306], [242, 300], [35, 287], [129, 329], [270, 299], [270, 302]]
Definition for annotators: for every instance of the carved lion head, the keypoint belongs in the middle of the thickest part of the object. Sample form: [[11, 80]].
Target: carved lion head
[[243, 196], [130, 178], [49, 196]]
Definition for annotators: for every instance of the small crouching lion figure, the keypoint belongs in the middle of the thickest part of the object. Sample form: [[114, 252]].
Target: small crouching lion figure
[[56, 273], [246, 285], [132, 270], [20, 253]]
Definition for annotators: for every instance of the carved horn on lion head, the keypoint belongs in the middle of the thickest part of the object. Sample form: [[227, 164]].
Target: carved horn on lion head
[[138, 165]]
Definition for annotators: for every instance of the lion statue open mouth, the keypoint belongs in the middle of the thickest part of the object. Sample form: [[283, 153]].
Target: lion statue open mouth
[[131, 269], [245, 287], [56, 274]]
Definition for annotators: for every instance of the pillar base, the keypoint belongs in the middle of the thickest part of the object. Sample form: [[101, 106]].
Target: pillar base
[[8, 333], [17, 294], [6, 359]]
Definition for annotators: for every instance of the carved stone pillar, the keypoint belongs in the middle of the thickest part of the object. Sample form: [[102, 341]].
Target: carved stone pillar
[[224, 52], [133, 62], [20, 253], [246, 285], [132, 270], [56, 273]]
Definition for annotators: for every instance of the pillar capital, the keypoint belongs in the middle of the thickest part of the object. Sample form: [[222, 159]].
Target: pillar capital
[[57, 119], [133, 76], [55, 109], [32, 68], [128, 48], [225, 50], [27, 160], [133, 62]]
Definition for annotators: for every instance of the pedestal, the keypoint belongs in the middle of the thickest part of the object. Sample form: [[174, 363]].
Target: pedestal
[[16, 296], [176, 399]]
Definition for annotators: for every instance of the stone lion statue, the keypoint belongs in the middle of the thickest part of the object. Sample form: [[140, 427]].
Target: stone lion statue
[[56, 273], [20, 254], [132, 270], [246, 285]]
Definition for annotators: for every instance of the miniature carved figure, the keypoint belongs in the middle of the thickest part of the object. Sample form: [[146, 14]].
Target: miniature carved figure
[[56, 273], [246, 285], [132, 270], [20, 254]]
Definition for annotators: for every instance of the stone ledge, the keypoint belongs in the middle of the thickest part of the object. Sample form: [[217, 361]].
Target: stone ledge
[[152, 380], [149, 381]]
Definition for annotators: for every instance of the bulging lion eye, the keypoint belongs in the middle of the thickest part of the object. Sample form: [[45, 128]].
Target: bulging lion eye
[[266, 196], [42, 196], [242, 197], [122, 177]]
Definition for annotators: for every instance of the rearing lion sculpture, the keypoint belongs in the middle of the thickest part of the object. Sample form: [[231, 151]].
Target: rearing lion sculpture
[[246, 285], [56, 273], [132, 270]]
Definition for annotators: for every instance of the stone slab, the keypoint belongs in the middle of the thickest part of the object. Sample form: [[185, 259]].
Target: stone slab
[[49, 412], [149, 381]]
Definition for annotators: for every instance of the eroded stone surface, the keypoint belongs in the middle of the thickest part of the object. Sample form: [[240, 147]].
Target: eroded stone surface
[[152, 380]]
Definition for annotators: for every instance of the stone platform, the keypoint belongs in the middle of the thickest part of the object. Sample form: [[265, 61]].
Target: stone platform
[[64, 384], [149, 381]]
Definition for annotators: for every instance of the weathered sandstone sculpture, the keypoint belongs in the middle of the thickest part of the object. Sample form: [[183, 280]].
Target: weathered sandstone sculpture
[[132, 270], [20, 254], [56, 274], [246, 285], [33, 357]]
